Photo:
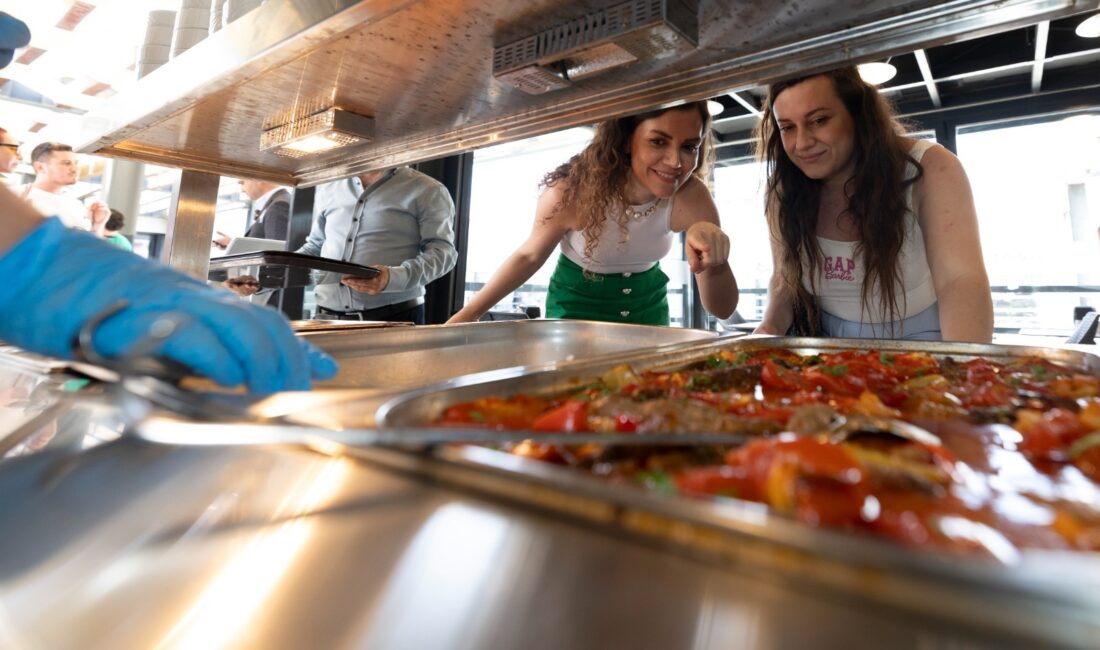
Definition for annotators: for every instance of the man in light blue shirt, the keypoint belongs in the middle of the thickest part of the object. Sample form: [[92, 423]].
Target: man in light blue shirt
[[399, 221]]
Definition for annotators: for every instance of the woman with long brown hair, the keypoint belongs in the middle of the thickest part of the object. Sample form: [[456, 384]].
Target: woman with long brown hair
[[614, 210], [873, 234]]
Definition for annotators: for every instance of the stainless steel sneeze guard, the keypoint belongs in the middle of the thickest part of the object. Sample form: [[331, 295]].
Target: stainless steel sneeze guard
[[423, 70]]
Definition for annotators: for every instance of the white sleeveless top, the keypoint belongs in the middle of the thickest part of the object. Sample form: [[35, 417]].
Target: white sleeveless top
[[840, 278], [647, 240]]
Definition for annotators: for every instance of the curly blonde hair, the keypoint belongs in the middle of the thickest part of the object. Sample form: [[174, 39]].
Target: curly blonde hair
[[595, 179]]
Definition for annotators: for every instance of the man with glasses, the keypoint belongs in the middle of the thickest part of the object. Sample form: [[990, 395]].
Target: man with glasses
[[56, 167], [9, 152]]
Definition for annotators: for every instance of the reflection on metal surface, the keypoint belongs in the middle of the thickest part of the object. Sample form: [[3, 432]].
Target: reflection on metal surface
[[423, 69], [224, 611], [465, 551], [191, 224], [408, 357], [41, 411], [120, 548]]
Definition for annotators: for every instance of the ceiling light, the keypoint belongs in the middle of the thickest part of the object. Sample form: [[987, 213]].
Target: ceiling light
[[877, 73], [1089, 27], [320, 131], [714, 107]]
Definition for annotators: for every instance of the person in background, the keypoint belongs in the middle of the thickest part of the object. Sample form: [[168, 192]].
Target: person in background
[[56, 280], [270, 211], [56, 168], [111, 227], [9, 152], [399, 221], [873, 234], [613, 209]]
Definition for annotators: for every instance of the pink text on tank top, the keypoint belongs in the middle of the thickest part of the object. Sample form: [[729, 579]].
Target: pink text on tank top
[[839, 268]]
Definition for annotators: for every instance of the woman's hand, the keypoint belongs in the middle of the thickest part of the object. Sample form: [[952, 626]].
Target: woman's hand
[[705, 246]]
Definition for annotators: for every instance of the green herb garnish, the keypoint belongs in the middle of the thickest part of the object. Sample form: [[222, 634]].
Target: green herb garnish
[[657, 481]]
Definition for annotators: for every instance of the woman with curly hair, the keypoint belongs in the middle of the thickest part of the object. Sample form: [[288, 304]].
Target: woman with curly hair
[[614, 210], [873, 234]]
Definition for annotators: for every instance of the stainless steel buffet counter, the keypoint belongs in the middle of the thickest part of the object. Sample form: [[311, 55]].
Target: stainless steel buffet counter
[[131, 545]]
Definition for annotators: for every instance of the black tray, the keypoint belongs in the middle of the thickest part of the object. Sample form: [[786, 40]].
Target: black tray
[[282, 270]]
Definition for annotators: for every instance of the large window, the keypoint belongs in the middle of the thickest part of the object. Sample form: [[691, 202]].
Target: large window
[[231, 215], [739, 194], [1037, 191]]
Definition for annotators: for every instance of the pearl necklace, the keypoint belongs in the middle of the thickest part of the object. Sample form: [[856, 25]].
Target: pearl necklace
[[632, 213]]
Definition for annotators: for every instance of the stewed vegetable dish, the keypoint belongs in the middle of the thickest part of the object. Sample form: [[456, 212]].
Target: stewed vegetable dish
[[963, 454]]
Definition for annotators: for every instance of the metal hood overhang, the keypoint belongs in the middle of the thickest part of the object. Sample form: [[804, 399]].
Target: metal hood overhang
[[423, 69]]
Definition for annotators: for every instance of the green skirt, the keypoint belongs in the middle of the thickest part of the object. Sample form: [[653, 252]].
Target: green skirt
[[640, 298]]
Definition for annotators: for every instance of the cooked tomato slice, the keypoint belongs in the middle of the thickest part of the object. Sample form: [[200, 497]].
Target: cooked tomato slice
[[775, 377], [493, 412], [570, 416], [906, 525], [1050, 436], [980, 371], [990, 394], [626, 423], [722, 480], [824, 379], [828, 503]]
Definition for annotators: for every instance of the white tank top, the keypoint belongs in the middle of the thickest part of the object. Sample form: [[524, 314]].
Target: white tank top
[[647, 240], [840, 278]]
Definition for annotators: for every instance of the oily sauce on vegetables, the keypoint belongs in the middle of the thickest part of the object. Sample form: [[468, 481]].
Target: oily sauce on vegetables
[[1018, 467]]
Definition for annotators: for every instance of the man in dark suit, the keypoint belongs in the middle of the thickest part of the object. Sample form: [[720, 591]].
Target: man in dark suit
[[270, 216]]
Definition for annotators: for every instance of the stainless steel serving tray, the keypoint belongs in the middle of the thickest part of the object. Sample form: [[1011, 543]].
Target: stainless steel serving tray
[[1050, 597], [411, 357]]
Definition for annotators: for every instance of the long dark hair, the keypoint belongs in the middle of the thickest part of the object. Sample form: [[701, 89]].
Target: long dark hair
[[876, 196], [595, 179]]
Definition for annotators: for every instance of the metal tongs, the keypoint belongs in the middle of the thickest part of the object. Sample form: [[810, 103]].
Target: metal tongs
[[143, 383], [281, 432], [140, 380]]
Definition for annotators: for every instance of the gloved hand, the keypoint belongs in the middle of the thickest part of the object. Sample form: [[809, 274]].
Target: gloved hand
[[56, 279], [13, 34]]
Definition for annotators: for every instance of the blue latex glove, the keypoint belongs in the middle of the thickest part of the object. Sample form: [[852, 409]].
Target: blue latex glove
[[13, 34], [56, 279]]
